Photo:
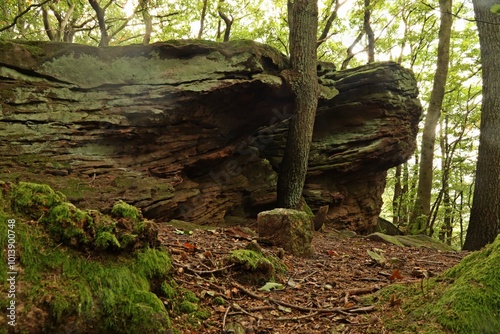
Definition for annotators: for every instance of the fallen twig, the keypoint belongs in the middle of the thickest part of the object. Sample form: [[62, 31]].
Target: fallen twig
[[202, 272], [363, 291], [340, 310], [224, 319]]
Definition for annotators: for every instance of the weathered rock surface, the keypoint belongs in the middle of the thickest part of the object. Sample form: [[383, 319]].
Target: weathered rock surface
[[196, 130], [287, 228]]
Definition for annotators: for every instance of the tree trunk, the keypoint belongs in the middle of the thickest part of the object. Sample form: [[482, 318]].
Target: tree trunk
[[484, 224], [397, 198], [303, 81], [421, 211], [148, 22], [369, 32], [202, 18], [102, 23]]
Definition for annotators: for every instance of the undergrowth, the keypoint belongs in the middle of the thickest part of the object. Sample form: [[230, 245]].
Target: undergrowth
[[61, 288]]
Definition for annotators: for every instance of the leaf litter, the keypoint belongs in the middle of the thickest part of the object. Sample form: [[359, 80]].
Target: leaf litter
[[320, 294]]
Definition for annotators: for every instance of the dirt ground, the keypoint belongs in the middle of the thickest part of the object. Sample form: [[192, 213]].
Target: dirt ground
[[321, 294]]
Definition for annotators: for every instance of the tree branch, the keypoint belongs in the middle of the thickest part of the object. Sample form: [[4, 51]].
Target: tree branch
[[324, 34], [24, 12]]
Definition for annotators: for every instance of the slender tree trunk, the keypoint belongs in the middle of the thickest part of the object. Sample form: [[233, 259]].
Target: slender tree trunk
[[484, 224], [229, 23], [397, 198], [421, 210], [369, 32], [102, 23], [303, 80], [148, 22], [46, 24], [328, 24], [202, 19]]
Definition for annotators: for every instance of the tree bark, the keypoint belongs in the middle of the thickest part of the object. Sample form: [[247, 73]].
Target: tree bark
[[229, 23], [369, 32], [421, 210], [303, 81], [148, 22], [102, 23], [484, 224], [202, 18]]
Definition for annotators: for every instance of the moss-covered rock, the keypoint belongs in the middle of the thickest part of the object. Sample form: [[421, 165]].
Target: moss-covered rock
[[253, 267], [463, 300], [34, 200], [87, 230], [127, 211], [287, 228], [61, 290]]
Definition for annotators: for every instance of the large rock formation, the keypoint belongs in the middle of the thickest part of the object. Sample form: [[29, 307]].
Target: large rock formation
[[195, 130]]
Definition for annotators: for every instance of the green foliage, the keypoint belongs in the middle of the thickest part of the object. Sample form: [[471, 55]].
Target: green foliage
[[495, 9]]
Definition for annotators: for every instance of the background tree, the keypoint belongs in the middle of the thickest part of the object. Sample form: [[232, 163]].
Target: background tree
[[303, 81], [421, 211], [484, 225]]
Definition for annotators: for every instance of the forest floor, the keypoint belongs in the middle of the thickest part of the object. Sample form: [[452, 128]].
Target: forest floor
[[333, 291]]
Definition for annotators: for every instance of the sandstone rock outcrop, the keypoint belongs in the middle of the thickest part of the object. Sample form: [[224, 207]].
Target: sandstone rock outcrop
[[195, 130]]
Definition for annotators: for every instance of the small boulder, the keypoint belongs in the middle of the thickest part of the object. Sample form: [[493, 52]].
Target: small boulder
[[287, 228]]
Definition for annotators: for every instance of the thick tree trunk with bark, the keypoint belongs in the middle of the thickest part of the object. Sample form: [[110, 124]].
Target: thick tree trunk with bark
[[196, 130], [303, 81], [484, 223]]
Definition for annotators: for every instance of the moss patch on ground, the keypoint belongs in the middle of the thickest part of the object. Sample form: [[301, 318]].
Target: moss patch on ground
[[253, 267], [463, 300], [71, 279]]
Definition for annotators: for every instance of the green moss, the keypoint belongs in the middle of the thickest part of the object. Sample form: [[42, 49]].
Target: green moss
[[463, 300], [67, 224], [153, 263], [219, 301], [106, 240], [187, 307], [202, 314], [34, 199], [128, 239], [168, 290], [254, 267], [250, 259], [124, 210], [191, 297], [78, 292], [472, 303]]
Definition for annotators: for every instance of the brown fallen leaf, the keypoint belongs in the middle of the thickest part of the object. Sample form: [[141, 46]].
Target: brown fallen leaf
[[396, 274]]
